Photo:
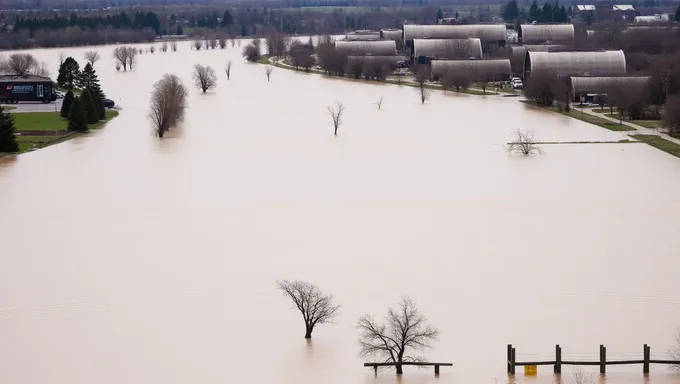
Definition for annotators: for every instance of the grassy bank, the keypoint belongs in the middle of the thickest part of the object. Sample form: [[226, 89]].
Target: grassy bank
[[578, 115], [651, 124], [48, 122], [660, 143]]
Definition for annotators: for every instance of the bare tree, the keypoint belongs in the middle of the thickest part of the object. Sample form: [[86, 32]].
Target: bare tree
[[164, 46], [405, 330], [268, 71], [336, 115], [62, 57], [222, 42], [671, 119], [132, 54], [140, 52], [173, 46], [198, 44], [316, 308], [379, 102], [674, 352], [228, 69], [168, 104], [524, 144], [121, 56], [422, 75], [152, 49], [92, 57], [20, 64], [233, 42], [204, 77], [41, 70], [252, 51], [458, 79]]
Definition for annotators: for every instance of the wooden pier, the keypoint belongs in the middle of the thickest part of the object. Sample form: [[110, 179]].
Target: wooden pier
[[557, 364], [436, 365]]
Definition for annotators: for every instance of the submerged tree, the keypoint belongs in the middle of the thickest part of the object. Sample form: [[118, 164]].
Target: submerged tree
[[8, 142], [524, 144], [315, 307], [268, 71], [336, 115], [404, 331], [227, 68], [204, 77], [422, 75], [92, 57], [168, 104], [252, 51]]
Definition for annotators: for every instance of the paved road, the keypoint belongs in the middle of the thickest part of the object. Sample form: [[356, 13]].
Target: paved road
[[34, 107]]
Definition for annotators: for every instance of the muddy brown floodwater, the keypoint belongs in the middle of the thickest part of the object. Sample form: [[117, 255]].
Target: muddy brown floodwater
[[129, 259]]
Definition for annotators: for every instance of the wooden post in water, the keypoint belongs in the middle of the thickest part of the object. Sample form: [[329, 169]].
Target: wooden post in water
[[509, 358], [646, 357], [513, 360], [436, 370], [375, 370], [603, 359], [558, 359]]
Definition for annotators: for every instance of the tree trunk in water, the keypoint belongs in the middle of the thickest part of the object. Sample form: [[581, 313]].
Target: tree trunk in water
[[336, 130], [399, 369], [308, 332]]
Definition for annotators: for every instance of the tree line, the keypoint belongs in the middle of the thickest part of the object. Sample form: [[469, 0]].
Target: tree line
[[547, 13], [121, 20]]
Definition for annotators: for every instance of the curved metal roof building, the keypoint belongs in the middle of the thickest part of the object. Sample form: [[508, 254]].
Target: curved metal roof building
[[447, 48], [368, 48], [580, 85], [519, 52], [391, 34], [544, 33], [586, 63], [484, 32]]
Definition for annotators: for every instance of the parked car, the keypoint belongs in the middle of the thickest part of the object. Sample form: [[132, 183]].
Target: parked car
[[108, 103], [59, 94], [517, 83]]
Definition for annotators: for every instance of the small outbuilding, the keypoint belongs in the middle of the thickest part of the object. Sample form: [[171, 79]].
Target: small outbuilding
[[584, 63], [425, 50], [485, 32], [492, 69], [367, 48], [582, 86], [546, 33]]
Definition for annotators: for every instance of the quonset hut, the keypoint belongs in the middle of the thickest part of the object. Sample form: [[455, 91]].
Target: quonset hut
[[367, 48], [546, 33], [493, 69], [391, 34], [487, 33], [584, 63], [585, 86], [425, 50]]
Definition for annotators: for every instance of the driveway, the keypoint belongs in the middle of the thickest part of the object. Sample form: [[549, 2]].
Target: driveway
[[34, 107]]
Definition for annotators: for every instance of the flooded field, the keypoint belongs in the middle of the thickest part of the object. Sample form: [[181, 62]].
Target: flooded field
[[130, 259]]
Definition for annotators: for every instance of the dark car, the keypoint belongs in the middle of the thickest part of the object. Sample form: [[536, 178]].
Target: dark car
[[108, 103]]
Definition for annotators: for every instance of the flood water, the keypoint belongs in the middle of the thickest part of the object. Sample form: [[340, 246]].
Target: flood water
[[130, 259]]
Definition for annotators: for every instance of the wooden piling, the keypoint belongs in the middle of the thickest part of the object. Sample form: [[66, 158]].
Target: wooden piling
[[646, 357], [436, 370], [603, 359], [513, 360], [509, 358], [375, 370], [558, 359]]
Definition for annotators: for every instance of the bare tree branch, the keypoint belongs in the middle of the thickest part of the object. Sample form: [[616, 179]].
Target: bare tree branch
[[524, 144], [315, 307], [405, 329]]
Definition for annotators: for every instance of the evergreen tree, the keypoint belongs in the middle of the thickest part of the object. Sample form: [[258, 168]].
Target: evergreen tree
[[227, 19], [677, 14], [534, 11], [66, 104], [98, 104], [88, 79], [89, 107], [440, 14], [510, 11], [77, 121], [8, 142], [244, 32], [69, 73]]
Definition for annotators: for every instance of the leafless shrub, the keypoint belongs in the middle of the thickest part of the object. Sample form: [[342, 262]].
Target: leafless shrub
[[539, 88], [213, 43], [117, 66], [379, 102], [228, 69], [173, 46], [578, 376], [268, 71], [252, 51], [301, 55], [198, 44], [405, 330], [456, 79], [141, 51], [152, 49], [164, 46], [336, 115], [630, 99], [316, 308], [422, 75], [233, 42], [276, 42], [92, 57], [222, 42], [19, 64], [524, 144], [671, 118], [204, 77], [168, 104], [238, 42]]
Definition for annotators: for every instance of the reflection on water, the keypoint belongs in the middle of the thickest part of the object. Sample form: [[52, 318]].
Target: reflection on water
[[130, 259]]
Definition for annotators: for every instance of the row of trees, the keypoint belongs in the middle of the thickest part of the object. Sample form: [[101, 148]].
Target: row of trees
[[121, 20], [88, 108], [73, 36], [548, 13], [403, 331], [125, 57]]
